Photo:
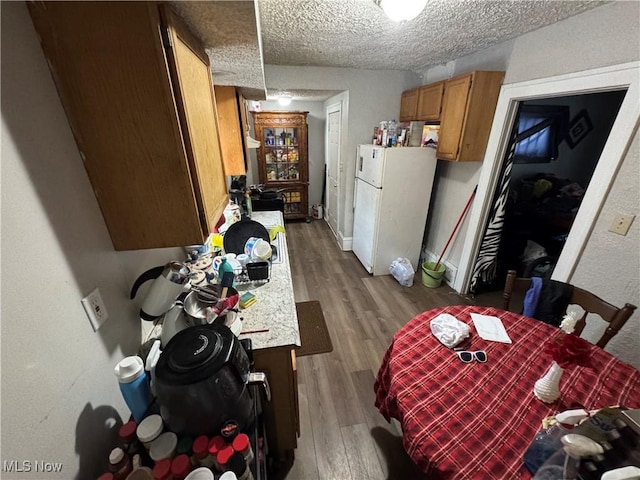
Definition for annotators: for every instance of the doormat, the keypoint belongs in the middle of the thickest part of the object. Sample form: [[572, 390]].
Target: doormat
[[314, 335]]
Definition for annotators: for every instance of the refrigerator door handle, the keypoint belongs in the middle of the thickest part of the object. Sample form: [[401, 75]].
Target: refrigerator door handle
[[355, 193], [361, 160]]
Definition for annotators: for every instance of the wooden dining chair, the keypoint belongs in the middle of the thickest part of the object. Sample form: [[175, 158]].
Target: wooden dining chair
[[590, 303]]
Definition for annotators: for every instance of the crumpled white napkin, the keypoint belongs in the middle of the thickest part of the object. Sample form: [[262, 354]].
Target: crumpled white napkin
[[449, 330]]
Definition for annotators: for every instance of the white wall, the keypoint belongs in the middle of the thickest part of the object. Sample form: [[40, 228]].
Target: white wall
[[603, 36], [610, 263], [452, 188], [373, 96], [59, 394], [315, 140], [607, 35]]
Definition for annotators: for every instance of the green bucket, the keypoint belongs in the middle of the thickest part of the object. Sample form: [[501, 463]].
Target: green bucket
[[432, 278]]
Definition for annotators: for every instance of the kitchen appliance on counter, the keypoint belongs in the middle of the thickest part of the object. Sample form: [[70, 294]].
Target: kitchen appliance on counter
[[202, 380], [265, 199], [169, 281], [391, 202]]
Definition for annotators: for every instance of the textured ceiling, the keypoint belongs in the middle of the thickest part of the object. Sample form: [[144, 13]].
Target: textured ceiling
[[355, 34], [229, 31]]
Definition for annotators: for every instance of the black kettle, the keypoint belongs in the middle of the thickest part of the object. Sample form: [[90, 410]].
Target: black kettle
[[202, 380]]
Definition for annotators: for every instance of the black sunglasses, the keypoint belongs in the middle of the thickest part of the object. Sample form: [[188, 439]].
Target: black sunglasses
[[467, 357]]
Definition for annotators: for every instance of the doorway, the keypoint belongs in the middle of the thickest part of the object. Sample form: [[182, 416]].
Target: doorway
[[559, 143], [332, 179], [617, 77]]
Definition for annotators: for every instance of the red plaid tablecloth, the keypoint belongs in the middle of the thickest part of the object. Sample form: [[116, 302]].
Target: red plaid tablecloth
[[476, 420]]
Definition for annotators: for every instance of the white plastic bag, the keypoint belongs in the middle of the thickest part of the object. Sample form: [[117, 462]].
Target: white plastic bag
[[402, 271], [449, 330]]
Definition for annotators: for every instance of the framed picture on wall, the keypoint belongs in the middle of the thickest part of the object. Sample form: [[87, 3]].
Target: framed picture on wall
[[579, 127]]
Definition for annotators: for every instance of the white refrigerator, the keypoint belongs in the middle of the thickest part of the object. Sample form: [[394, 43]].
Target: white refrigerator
[[391, 203]]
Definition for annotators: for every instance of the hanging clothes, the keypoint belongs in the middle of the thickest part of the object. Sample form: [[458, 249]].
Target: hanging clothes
[[484, 270]]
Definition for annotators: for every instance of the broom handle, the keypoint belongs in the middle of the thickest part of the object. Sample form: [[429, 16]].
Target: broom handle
[[466, 207]]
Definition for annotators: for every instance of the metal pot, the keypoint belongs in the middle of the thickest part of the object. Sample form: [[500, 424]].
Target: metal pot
[[196, 304]]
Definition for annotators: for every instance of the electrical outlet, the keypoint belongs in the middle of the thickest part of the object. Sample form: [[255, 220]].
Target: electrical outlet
[[621, 223], [95, 308]]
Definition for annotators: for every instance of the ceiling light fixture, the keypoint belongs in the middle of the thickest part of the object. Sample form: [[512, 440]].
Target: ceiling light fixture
[[401, 10], [284, 99]]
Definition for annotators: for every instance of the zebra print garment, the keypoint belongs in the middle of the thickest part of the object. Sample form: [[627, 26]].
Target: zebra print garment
[[484, 270]]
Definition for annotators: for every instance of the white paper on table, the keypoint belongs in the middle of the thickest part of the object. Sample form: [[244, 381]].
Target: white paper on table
[[490, 328]]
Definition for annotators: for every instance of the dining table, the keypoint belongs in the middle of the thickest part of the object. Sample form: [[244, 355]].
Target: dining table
[[475, 420]]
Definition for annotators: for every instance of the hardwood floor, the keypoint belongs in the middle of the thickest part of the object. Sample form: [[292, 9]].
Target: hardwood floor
[[343, 436]]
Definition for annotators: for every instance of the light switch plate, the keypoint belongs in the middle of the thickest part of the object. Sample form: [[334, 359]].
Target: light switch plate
[[621, 223], [95, 308]]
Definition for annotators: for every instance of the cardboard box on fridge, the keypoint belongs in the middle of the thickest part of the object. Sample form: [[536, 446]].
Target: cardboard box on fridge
[[415, 134]]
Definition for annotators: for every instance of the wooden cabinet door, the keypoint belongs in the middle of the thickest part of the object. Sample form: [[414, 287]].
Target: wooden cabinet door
[[454, 108], [110, 69], [281, 414], [296, 203], [194, 89], [430, 102], [408, 105], [231, 131], [481, 106], [469, 103]]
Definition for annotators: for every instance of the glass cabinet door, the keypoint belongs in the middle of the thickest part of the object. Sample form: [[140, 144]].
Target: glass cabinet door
[[295, 201], [281, 154]]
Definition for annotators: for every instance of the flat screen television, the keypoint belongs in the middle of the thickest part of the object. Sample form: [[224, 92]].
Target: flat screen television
[[541, 129]]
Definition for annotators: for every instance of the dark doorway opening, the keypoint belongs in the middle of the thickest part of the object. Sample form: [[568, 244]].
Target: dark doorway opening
[[552, 169]]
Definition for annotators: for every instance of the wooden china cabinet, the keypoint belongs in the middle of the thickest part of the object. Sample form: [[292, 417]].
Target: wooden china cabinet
[[283, 162]]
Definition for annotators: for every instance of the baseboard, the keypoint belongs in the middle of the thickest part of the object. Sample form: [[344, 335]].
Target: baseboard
[[346, 243], [450, 272]]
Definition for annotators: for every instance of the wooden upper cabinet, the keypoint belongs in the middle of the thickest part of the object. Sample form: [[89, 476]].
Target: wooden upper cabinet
[[408, 105], [228, 105], [137, 91], [193, 87], [430, 102], [468, 105]]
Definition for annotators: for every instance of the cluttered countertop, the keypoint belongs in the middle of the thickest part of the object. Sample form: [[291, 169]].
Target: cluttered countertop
[[275, 308], [195, 380], [269, 319]]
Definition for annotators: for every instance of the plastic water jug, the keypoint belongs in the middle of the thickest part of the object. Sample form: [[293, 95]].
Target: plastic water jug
[[134, 385]]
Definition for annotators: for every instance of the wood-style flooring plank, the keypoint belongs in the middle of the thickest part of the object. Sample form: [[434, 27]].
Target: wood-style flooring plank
[[375, 350], [387, 436], [305, 466], [330, 453], [361, 453], [343, 436], [363, 384], [300, 292], [345, 400]]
